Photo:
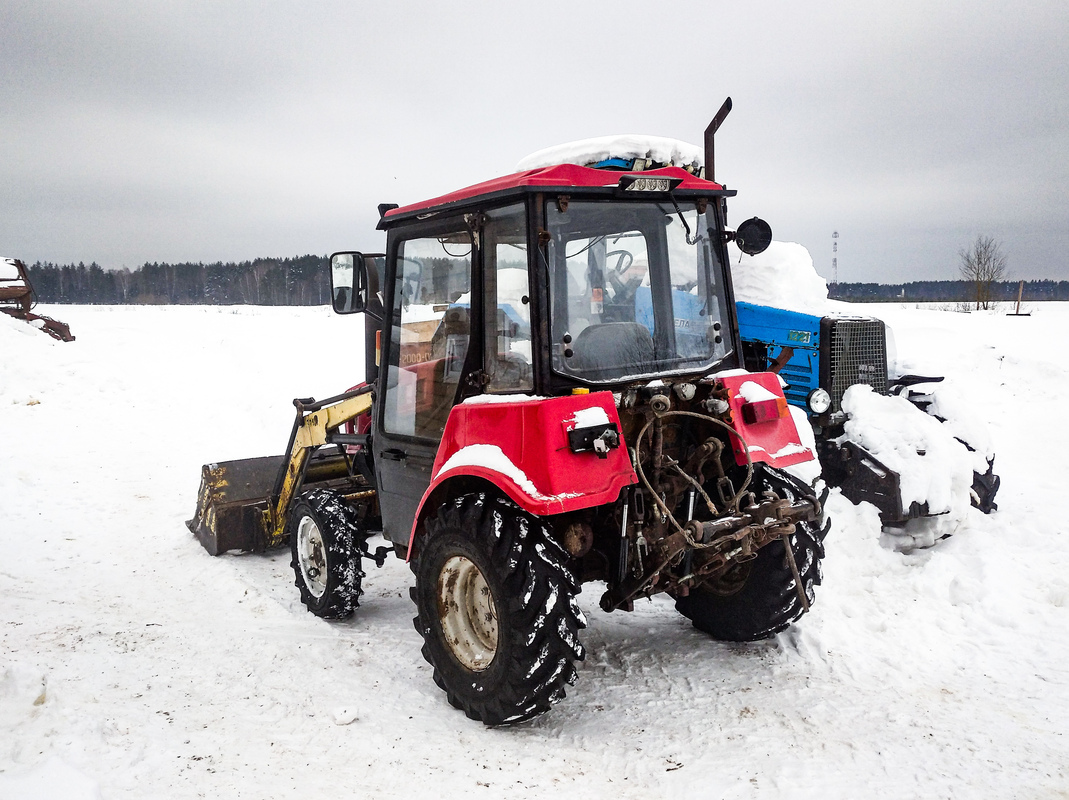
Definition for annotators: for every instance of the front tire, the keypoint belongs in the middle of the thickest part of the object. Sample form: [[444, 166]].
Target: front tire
[[496, 608], [324, 555], [757, 599]]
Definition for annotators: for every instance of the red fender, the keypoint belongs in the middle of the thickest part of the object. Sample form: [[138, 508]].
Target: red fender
[[520, 444], [760, 414]]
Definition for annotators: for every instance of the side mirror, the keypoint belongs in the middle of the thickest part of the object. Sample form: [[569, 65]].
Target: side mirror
[[753, 236], [351, 284]]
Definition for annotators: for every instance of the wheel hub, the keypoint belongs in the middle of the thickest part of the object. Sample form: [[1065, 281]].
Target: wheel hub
[[312, 556], [729, 582], [468, 613]]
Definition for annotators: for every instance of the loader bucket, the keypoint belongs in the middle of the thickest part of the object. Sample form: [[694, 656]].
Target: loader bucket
[[232, 504]]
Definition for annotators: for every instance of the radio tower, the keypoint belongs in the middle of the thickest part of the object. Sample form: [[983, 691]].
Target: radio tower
[[834, 258]]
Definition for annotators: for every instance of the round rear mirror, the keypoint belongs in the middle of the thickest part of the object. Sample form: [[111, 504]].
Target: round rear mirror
[[753, 236]]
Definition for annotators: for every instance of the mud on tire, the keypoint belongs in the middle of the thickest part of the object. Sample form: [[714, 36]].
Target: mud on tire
[[758, 599], [324, 554], [496, 608]]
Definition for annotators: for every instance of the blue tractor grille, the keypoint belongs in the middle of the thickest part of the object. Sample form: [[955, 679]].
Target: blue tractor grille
[[857, 353]]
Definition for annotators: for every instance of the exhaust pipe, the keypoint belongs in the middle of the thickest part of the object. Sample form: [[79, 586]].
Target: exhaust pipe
[[710, 133]]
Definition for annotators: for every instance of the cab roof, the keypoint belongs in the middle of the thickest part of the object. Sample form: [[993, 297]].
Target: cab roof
[[561, 177]]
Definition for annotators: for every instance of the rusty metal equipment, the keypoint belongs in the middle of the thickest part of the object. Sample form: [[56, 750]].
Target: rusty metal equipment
[[17, 299]]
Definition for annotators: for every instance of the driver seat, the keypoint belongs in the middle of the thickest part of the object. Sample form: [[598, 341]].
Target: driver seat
[[612, 345]]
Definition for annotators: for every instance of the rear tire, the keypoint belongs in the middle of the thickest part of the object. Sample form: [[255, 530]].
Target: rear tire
[[757, 599], [325, 559], [496, 609]]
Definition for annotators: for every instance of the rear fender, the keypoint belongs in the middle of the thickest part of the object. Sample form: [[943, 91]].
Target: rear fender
[[762, 419], [519, 446]]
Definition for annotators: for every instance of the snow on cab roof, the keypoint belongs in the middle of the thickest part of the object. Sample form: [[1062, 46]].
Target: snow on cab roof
[[627, 146]]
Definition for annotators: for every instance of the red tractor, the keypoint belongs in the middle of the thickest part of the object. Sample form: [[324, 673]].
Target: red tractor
[[554, 396]]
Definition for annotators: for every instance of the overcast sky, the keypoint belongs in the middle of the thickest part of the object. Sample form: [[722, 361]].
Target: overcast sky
[[170, 131]]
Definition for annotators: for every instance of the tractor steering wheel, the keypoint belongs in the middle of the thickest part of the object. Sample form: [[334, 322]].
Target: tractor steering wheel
[[624, 260]]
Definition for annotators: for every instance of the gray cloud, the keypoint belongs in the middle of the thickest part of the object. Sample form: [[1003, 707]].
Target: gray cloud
[[138, 132]]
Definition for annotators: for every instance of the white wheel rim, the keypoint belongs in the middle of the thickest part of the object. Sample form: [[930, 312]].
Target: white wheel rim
[[468, 614], [312, 556]]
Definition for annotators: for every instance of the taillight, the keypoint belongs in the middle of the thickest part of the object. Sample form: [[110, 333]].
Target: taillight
[[764, 410]]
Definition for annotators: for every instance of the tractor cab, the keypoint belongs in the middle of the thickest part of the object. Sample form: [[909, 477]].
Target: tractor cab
[[550, 280]]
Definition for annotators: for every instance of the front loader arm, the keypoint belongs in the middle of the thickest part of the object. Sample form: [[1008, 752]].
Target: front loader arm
[[316, 424]]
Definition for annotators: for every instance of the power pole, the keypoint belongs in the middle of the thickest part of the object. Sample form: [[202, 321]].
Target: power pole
[[834, 257]]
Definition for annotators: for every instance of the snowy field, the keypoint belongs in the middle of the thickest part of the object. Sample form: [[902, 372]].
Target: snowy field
[[134, 665]]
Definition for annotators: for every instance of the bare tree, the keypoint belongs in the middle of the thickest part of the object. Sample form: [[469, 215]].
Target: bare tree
[[984, 265]]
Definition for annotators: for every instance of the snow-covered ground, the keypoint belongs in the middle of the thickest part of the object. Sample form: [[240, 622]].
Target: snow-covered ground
[[133, 664]]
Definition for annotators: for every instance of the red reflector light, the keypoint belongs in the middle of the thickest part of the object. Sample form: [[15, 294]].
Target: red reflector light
[[764, 410]]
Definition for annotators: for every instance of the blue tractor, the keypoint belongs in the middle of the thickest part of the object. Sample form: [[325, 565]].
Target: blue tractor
[[820, 358]]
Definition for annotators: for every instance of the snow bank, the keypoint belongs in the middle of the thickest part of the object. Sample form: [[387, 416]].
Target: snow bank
[[18, 385], [590, 151], [782, 277], [963, 422]]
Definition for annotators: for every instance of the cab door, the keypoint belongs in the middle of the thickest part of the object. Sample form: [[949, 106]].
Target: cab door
[[429, 357]]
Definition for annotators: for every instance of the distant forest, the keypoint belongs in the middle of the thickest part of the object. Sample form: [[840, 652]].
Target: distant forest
[[304, 281], [946, 291], [297, 281]]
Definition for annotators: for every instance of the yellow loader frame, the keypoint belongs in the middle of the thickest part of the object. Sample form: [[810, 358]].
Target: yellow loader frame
[[245, 504]]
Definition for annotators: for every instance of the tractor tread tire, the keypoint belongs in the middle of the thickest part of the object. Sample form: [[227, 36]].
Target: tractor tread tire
[[768, 602], [534, 594], [339, 528]]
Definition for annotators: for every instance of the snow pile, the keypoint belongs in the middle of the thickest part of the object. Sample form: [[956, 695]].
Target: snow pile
[[782, 277], [934, 467], [962, 422], [20, 386], [627, 146]]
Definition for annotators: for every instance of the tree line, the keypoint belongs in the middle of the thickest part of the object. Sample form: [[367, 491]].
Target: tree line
[[305, 281], [963, 291], [298, 281]]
